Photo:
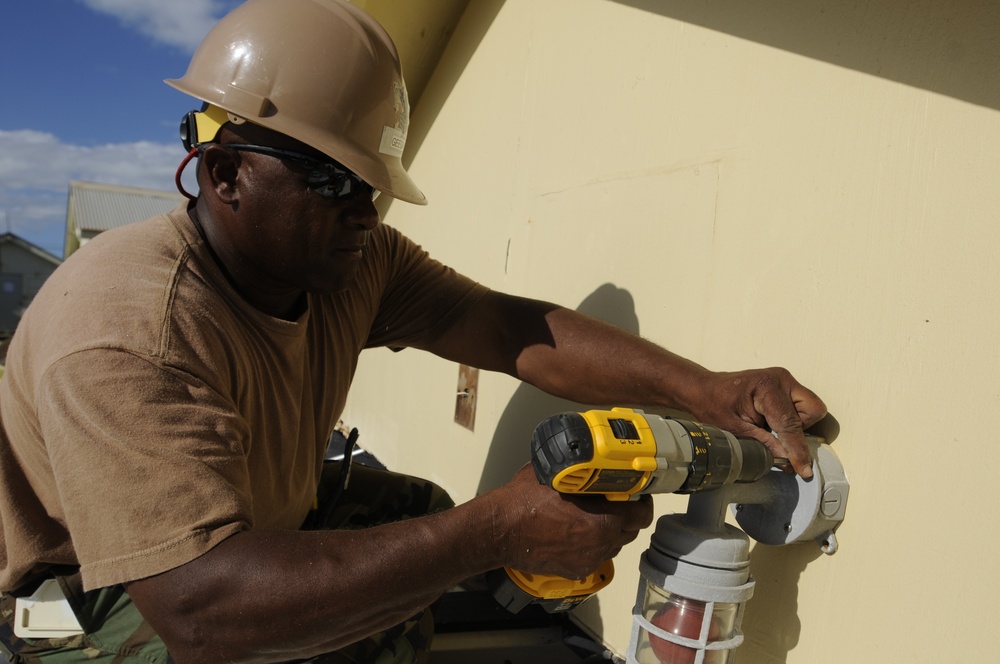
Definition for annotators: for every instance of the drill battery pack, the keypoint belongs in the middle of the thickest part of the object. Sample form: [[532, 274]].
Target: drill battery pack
[[515, 590]]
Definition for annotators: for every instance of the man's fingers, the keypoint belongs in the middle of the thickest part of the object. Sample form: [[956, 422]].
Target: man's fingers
[[757, 402], [797, 453], [780, 407], [641, 516], [809, 406]]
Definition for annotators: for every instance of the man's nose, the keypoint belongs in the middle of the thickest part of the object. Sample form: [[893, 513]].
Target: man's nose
[[363, 214]]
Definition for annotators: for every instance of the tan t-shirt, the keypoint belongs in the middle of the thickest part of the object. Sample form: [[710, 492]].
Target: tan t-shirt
[[148, 412]]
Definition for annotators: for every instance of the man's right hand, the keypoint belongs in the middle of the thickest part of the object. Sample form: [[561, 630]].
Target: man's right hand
[[317, 591], [569, 536]]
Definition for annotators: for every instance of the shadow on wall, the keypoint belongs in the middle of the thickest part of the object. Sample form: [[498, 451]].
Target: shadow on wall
[[771, 625], [529, 405], [951, 48]]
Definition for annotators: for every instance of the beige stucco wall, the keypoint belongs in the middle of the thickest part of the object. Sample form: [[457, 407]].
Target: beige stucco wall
[[811, 184]]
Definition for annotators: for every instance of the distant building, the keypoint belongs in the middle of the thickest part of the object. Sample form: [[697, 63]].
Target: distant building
[[24, 267], [94, 208]]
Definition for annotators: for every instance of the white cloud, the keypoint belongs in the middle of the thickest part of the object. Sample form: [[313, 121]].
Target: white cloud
[[36, 168], [38, 160], [179, 23]]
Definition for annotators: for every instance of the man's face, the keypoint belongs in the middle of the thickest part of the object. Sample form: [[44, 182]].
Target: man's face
[[287, 236]]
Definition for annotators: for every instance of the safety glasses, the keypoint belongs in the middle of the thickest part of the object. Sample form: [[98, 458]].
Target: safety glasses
[[326, 178]]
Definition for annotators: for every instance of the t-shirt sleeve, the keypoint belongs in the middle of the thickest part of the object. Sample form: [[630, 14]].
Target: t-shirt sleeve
[[420, 296], [148, 462]]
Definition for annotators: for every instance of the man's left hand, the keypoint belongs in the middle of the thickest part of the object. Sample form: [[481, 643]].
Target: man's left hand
[[756, 402]]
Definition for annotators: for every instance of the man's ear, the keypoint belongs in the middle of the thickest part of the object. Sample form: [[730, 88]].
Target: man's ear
[[220, 167]]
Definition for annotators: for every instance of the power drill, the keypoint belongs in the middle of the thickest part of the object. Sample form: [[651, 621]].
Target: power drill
[[621, 454]]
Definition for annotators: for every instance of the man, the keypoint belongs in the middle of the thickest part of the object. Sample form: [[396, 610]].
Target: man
[[170, 392]]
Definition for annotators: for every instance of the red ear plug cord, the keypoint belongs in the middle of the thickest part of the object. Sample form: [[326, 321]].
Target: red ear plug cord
[[180, 169]]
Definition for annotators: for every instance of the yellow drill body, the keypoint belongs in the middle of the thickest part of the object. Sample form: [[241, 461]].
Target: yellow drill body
[[622, 453]]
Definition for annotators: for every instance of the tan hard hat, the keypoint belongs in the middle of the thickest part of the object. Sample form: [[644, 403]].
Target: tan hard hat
[[321, 71]]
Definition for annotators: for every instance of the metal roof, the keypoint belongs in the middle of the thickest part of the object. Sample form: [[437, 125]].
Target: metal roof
[[95, 207], [34, 249]]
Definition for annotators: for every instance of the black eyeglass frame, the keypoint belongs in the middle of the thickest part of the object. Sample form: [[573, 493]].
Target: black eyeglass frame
[[330, 179]]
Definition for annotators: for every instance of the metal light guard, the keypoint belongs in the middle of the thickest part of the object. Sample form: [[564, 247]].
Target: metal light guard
[[695, 575]]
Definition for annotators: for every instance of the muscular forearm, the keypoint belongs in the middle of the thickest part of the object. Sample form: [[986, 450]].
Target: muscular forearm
[[569, 354], [593, 362], [576, 357], [278, 595]]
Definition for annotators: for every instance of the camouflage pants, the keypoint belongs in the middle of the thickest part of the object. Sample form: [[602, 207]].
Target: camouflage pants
[[115, 632]]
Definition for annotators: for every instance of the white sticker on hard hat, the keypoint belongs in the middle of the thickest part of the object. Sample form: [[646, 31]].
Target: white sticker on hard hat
[[393, 141], [394, 138]]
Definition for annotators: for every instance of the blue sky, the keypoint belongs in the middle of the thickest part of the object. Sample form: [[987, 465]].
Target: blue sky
[[83, 98]]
